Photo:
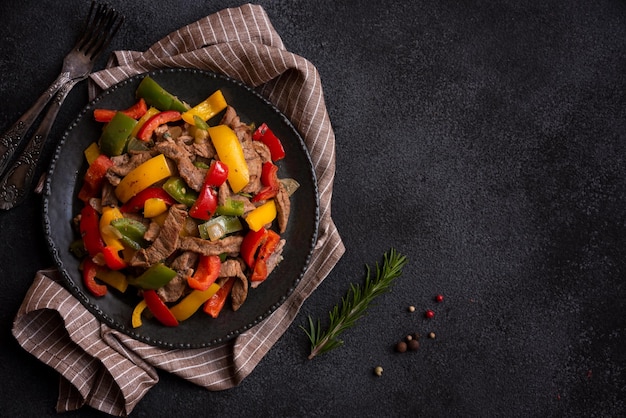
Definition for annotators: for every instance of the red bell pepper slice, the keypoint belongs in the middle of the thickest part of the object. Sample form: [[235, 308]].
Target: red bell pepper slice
[[94, 177], [265, 135], [269, 179], [214, 305], [112, 258], [259, 272], [89, 279], [136, 111], [205, 205], [146, 131], [136, 203], [89, 227], [206, 273], [159, 309], [250, 245]]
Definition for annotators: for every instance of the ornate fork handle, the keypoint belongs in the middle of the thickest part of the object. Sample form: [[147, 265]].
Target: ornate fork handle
[[15, 184], [11, 140]]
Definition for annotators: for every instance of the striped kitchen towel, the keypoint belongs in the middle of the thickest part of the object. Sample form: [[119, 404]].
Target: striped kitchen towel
[[110, 371]]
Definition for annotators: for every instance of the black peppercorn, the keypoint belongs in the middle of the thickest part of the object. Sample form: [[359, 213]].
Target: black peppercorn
[[413, 345], [401, 347]]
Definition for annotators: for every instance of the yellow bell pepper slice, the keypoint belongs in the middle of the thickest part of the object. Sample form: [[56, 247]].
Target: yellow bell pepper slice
[[230, 153], [149, 113], [154, 207], [106, 230], [143, 176], [115, 279], [92, 152], [192, 302], [262, 215], [205, 110], [136, 317]]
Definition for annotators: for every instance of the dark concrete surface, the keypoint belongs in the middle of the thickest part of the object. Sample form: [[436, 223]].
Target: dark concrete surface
[[483, 139]]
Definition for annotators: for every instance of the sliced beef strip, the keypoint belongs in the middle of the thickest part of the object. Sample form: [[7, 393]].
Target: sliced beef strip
[[96, 203], [229, 245], [175, 289], [239, 292], [108, 195], [166, 242], [230, 117], [184, 266], [186, 139], [203, 149], [192, 175], [232, 267], [283, 207], [186, 261], [263, 151], [160, 131], [153, 231], [225, 192]]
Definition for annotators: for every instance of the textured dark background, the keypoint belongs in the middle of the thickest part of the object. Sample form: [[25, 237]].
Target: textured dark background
[[483, 139]]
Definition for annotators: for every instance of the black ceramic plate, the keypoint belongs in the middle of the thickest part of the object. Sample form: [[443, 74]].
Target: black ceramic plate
[[61, 205]]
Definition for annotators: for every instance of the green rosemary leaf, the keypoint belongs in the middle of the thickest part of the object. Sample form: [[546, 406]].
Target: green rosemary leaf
[[354, 304]]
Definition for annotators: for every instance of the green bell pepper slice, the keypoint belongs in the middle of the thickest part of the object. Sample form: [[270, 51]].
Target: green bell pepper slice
[[220, 226], [132, 232], [77, 248], [200, 123], [157, 276], [115, 134], [201, 164], [158, 97], [231, 207], [135, 144], [178, 189]]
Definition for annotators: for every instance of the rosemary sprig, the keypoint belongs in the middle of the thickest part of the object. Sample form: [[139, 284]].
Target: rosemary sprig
[[354, 304]]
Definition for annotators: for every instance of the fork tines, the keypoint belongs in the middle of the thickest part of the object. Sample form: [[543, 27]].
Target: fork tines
[[101, 25]]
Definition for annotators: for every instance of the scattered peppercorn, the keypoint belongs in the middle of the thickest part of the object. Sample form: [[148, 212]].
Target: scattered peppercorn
[[408, 338], [378, 371], [416, 336], [431, 335], [429, 313], [413, 345], [411, 308], [439, 298], [401, 347]]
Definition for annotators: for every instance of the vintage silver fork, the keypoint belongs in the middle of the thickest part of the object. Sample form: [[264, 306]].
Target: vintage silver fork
[[97, 32]]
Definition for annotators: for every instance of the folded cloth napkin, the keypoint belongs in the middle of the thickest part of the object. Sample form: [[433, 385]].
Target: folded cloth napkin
[[110, 371]]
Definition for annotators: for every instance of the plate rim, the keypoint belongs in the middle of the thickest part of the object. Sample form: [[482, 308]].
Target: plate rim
[[74, 289]]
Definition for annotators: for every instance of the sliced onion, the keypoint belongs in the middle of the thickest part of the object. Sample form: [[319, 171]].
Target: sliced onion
[[290, 185], [200, 137], [215, 231]]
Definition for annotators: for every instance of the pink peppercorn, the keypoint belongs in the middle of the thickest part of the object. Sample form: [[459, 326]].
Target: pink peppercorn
[[429, 314], [439, 298]]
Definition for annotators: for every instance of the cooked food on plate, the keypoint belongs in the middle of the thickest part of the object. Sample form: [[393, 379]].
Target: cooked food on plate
[[183, 206]]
